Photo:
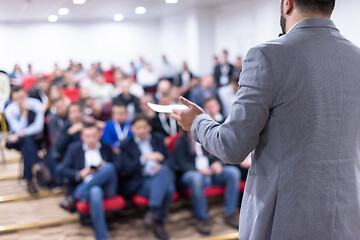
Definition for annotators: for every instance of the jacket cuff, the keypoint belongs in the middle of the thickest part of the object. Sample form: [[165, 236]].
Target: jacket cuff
[[77, 176], [195, 124]]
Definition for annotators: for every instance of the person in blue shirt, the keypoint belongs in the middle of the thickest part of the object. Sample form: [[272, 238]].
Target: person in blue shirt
[[26, 120], [118, 128]]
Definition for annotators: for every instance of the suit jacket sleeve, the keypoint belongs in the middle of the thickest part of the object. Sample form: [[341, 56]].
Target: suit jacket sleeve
[[239, 134], [183, 158], [130, 159], [67, 167], [63, 140]]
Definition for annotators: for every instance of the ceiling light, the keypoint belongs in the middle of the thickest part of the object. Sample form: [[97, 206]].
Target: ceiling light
[[79, 1], [140, 10], [63, 11], [53, 18], [118, 17], [171, 1]]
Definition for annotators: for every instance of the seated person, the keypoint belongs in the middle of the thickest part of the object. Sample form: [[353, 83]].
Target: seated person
[[97, 111], [146, 171], [163, 123], [199, 170], [100, 89], [145, 109], [26, 121], [39, 91], [212, 107], [206, 89], [71, 90], [126, 97], [88, 166], [117, 129], [227, 94], [56, 123], [70, 132]]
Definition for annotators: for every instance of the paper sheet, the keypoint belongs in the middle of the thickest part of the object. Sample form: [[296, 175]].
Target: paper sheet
[[166, 108]]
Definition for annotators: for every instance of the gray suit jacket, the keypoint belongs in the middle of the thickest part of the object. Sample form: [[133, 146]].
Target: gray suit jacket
[[298, 106]]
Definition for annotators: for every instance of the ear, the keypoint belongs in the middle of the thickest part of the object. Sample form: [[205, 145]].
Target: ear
[[288, 6]]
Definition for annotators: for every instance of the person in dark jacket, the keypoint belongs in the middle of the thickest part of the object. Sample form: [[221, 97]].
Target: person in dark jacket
[[162, 122], [146, 171], [223, 71], [89, 167], [56, 123], [70, 132], [199, 170], [125, 97]]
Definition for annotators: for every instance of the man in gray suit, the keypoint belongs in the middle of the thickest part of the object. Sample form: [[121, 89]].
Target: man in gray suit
[[298, 106]]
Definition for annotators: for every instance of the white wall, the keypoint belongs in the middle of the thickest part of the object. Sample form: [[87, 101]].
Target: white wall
[[244, 24], [45, 44], [194, 36]]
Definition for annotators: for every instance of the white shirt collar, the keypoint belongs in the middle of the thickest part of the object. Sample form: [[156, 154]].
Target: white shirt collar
[[86, 148], [139, 141]]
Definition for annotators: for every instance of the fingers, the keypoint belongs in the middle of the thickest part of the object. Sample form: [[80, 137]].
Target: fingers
[[186, 102], [175, 116]]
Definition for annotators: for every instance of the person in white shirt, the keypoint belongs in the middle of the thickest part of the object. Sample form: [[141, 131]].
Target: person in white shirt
[[147, 78], [227, 94], [26, 121], [89, 167]]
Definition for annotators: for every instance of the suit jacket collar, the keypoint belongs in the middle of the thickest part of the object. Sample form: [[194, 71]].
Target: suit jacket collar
[[314, 23]]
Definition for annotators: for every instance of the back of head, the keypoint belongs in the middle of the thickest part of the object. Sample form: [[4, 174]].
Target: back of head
[[325, 7]]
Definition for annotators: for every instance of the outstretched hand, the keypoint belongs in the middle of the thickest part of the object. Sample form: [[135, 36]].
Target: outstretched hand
[[185, 118]]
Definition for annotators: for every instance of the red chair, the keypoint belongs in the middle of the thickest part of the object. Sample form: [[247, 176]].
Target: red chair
[[143, 201], [111, 204], [214, 191], [172, 141], [28, 83]]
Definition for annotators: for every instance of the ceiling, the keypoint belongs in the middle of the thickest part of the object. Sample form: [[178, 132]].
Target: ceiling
[[20, 11]]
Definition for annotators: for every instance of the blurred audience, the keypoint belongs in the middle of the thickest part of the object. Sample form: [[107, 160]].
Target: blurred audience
[[100, 133]]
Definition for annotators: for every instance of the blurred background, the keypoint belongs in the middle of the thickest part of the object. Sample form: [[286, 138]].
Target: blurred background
[[76, 64], [191, 30]]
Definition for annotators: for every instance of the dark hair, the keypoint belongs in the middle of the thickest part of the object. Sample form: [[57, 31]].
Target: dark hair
[[322, 6], [89, 125], [235, 78], [119, 104], [206, 100], [141, 117], [15, 89], [56, 100]]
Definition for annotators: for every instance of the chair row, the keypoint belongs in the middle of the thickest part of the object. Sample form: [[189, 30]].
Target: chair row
[[118, 202]]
